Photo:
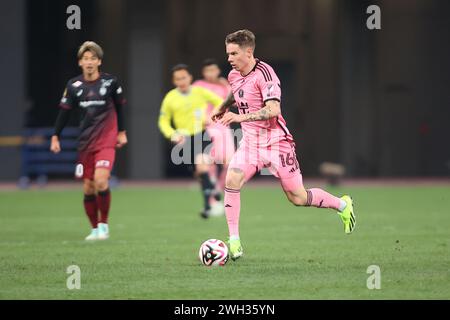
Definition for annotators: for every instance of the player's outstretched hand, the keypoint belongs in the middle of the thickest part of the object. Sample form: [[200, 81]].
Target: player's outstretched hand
[[229, 118], [55, 147], [121, 139]]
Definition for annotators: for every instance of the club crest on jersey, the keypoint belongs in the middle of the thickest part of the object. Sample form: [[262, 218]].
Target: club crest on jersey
[[106, 83], [241, 93]]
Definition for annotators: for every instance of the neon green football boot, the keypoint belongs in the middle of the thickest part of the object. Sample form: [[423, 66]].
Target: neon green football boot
[[236, 250], [348, 216]]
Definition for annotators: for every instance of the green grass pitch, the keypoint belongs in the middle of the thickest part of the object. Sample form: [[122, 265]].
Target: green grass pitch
[[290, 252]]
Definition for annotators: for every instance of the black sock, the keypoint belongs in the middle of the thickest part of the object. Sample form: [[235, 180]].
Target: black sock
[[218, 196], [207, 188]]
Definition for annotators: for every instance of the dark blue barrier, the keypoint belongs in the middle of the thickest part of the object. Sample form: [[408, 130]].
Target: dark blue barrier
[[39, 162]]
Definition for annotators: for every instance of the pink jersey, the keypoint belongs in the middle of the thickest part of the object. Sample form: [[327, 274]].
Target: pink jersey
[[251, 92], [222, 138], [220, 89]]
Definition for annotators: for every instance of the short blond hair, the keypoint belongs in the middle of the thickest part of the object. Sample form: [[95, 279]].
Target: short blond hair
[[243, 38], [92, 47]]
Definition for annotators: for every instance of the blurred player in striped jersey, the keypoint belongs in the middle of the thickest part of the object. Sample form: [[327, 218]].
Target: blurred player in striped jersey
[[182, 119], [221, 136], [266, 141], [99, 96]]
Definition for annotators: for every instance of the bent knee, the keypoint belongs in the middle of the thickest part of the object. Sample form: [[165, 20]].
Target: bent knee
[[297, 200], [201, 168], [101, 184], [203, 159], [202, 163], [234, 179], [89, 187]]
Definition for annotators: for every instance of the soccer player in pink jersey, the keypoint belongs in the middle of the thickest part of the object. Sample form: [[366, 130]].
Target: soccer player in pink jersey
[[221, 136], [266, 141]]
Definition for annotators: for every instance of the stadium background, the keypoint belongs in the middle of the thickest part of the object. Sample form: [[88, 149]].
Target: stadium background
[[374, 100]]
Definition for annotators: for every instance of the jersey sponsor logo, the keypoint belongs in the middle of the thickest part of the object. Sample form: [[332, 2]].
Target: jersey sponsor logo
[[79, 170], [76, 84], [270, 90], [85, 104], [102, 163]]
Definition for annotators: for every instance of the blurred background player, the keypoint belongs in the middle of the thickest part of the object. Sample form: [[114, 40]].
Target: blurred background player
[[266, 140], [100, 98], [186, 106], [221, 136]]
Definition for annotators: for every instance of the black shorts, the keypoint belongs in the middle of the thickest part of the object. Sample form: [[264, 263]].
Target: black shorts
[[195, 145]]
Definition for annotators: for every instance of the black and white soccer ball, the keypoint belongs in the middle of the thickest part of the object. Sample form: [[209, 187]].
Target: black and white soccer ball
[[213, 252]]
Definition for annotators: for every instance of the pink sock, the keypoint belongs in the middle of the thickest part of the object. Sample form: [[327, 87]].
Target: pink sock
[[321, 199], [232, 201]]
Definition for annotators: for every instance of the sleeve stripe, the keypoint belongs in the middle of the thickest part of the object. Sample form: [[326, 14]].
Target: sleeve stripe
[[264, 73], [267, 70], [276, 99]]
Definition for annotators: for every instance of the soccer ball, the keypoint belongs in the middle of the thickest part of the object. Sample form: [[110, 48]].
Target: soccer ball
[[213, 252]]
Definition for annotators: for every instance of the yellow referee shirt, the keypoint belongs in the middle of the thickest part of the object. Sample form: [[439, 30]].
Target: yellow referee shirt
[[188, 111]]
